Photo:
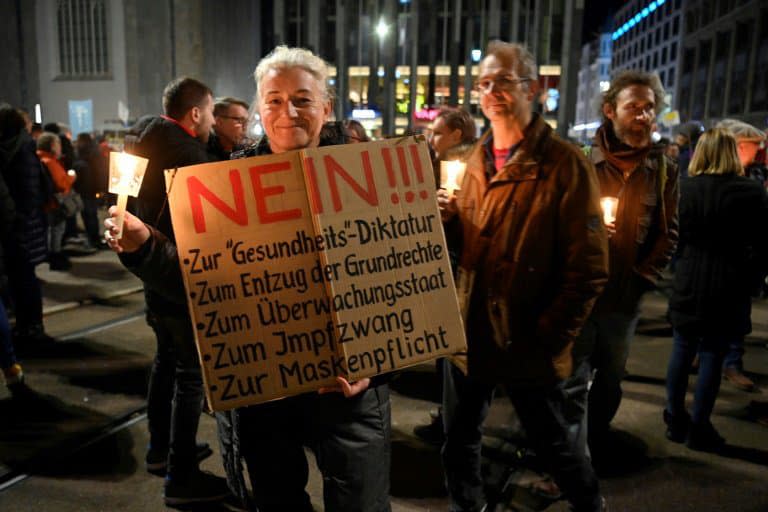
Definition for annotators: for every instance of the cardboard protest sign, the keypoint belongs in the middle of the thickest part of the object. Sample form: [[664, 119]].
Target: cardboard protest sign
[[311, 264]]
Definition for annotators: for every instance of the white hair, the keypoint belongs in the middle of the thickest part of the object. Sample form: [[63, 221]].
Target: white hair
[[283, 57]]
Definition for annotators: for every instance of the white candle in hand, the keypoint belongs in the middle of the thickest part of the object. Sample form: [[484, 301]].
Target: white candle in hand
[[609, 206], [126, 173], [451, 174]]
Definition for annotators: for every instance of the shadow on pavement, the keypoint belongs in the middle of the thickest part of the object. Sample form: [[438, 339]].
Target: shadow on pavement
[[36, 427], [110, 459], [418, 383], [416, 469]]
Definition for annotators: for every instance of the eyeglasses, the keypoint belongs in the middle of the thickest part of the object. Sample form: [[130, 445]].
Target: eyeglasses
[[503, 83], [239, 120]]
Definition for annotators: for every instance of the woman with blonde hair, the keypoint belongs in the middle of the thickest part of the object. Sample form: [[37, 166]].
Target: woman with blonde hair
[[724, 247]]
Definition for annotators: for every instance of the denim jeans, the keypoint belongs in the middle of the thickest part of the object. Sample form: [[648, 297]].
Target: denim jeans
[[711, 350], [604, 343], [734, 358], [350, 438], [466, 402], [57, 225], [7, 355], [175, 396]]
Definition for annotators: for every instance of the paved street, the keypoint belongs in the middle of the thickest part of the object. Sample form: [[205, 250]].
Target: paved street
[[78, 443]]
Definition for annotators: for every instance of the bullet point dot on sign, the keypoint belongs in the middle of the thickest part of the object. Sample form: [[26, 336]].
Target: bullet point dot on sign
[[395, 198], [409, 196], [207, 357], [186, 261], [200, 326], [193, 295], [423, 194], [214, 388]]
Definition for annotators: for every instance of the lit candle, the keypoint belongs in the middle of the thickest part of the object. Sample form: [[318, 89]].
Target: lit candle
[[451, 174], [609, 206], [126, 173]]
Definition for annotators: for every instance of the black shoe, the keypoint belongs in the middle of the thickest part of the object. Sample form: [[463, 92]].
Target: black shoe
[[431, 433], [677, 427], [704, 438], [157, 460], [59, 261], [199, 487]]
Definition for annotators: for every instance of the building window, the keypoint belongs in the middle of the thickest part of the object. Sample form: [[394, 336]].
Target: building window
[[759, 86], [663, 55], [675, 25], [666, 31], [82, 39], [655, 60], [740, 68], [673, 51], [661, 77]]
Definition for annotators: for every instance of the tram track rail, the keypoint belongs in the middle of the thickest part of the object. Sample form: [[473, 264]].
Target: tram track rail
[[82, 441]]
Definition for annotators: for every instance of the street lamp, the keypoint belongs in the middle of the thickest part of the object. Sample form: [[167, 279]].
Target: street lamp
[[382, 29]]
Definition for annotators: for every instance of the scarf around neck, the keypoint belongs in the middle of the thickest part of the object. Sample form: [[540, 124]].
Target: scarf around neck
[[619, 155]]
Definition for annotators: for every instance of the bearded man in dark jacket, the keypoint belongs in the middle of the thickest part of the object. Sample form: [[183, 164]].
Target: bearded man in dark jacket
[[175, 396], [642, 239]]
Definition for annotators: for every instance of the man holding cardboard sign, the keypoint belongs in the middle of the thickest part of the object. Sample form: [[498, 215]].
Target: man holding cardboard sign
[[533, 260], [175, 391], [306, 268]]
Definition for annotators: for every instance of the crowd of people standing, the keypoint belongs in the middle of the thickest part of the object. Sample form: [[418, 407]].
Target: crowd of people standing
[[549, 286]]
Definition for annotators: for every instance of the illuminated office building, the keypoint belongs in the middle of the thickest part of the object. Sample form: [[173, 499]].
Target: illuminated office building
[[647, 36], [393, 61], [724, 61]]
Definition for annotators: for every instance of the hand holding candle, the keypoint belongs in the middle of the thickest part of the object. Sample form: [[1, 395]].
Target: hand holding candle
[[126, 172], [609, 206], [451, 174]]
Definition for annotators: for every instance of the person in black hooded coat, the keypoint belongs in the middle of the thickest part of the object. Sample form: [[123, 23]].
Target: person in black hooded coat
[[26, 245]]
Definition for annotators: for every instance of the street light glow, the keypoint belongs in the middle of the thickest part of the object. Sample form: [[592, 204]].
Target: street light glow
[[382, 29]]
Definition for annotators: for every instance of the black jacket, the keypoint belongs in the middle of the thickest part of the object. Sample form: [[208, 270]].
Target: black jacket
[[7, 214], [724, 253], [167, 145], [30, 188]]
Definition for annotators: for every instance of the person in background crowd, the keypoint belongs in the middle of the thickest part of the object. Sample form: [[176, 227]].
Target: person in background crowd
[[355, 131], [673, 151], [347, 427], [229, 128], [642, 239], [9, 364], [49, 151], [685, 153], [533, 259], [175, 395], [724, 240], [748, 142], [67, 160], [452, 138], [36, 130], [26, 245], [93, 175]]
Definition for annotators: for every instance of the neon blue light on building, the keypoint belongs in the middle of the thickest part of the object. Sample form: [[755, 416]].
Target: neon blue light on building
[[631, 22]]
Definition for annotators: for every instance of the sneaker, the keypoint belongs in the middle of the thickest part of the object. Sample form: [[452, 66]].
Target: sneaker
[[677, 427], [738, 379], [432, 432], [157, 460], [704, 438], [199, 487]]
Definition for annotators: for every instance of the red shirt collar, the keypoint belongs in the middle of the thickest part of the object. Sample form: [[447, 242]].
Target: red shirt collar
[[190, 132]]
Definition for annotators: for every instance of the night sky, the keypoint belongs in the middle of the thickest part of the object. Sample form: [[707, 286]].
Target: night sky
[[595, 14]]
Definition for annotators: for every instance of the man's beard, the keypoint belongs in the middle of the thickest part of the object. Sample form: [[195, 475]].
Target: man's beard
[[637, 136]]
